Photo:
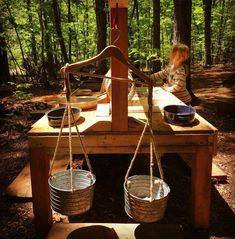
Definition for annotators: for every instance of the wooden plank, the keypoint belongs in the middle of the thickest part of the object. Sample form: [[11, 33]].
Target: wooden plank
[[21, 186], [125, 149], [117, 140], [217, 173], [115, 231]]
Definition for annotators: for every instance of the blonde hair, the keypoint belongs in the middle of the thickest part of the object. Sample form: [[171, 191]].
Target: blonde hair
[[179, 55]]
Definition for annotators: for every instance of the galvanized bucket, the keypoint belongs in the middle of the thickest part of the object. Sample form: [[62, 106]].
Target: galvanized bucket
[[71, 202], [138, 205]]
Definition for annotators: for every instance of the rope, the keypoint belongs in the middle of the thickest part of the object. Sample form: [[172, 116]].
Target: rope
[[152, 147], [136, 150], [82, 145], [70, 146], [69, 112], [151, 172], [157, 156], [58, 141]]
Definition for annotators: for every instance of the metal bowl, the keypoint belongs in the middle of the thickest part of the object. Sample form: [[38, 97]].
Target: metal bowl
[[82, 92], [55, 116], [179, 114], [83, 102]]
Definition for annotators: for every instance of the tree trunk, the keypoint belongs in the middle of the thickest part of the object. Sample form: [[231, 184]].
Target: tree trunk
[[70, 30], [207, 31], [182, 21], [101, 21], [182, 31], [12, 21], [156, 33], [85, 30], [136, 10], [4, 67], [32, 35], [42, 27], [220, 35], [49, 62], [58, 30]]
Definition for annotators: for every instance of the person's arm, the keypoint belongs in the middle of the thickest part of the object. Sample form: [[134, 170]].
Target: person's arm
[[179, 83], [159, 76]]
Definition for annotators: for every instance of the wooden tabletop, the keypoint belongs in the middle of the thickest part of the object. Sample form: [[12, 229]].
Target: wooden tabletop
[[89, 122]]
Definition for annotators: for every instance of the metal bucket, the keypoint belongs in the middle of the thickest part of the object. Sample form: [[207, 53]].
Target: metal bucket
[[67, 202], [137, 203]]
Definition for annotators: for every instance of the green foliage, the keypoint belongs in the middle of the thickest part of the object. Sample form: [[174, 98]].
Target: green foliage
[[82, 31], [21, 90]]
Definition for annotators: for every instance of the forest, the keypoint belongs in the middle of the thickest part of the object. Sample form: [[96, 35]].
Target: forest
[[38, 37]]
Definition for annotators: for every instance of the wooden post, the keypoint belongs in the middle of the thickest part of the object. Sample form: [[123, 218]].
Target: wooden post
[[201, 187], [119, 16], [39, 170]]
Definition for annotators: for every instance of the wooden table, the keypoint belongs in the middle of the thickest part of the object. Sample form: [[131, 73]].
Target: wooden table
[[198, 139]]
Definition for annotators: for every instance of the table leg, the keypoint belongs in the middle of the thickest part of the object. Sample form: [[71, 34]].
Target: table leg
[[201, 187], [39, 168]]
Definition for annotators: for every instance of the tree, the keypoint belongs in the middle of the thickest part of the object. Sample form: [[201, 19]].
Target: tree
[[49, 62], [182, 21], [220, 34], [101, 21], [42, 27], [15, 26], [70, 30], [182, 30], [207, 31], [156, 33], [57, 24], [4, 67], [32, 34]]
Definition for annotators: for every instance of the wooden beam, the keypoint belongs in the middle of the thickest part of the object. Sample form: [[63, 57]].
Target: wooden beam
[[119, 37], [121, 3]]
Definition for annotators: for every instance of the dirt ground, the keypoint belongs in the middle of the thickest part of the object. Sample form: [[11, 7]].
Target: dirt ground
[[217, 97]]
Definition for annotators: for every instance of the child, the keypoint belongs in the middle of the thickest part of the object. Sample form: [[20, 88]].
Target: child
[[175, 73]]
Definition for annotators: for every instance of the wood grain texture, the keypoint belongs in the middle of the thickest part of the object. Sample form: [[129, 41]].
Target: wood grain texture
[[119, 89], [39, 168], [201, 187]]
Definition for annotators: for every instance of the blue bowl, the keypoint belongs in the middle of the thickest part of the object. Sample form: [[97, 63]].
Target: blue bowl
[[179, 114]]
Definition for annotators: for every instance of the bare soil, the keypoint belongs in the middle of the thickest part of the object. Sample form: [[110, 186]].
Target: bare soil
[[216, 100]]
